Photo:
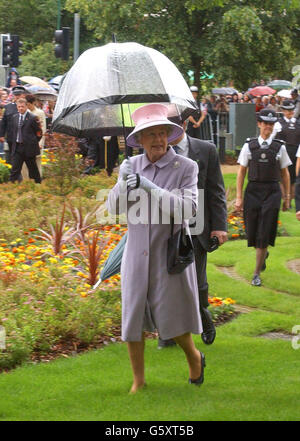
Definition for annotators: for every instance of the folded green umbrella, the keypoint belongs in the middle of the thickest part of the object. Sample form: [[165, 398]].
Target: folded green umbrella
[[112, 264]]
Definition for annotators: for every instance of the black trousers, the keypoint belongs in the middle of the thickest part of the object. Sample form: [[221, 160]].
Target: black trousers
[[18, 159], [200, 261]]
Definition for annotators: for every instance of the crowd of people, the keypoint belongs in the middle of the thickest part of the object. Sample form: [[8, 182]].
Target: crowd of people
[[97, 153]]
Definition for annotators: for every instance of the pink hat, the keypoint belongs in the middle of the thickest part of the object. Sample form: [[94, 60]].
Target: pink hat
[[152, 115]]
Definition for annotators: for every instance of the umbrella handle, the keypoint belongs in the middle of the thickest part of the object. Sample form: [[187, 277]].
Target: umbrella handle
[[97, 284]]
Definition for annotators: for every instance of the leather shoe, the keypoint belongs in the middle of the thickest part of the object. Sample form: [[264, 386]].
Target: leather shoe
[[165, 343], [209, 331], [198, 381]]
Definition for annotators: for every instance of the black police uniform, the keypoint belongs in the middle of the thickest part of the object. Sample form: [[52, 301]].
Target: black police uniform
[[290, 133], [263, 195]]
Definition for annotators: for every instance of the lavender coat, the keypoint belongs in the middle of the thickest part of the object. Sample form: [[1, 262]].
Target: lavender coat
[[153, 299]]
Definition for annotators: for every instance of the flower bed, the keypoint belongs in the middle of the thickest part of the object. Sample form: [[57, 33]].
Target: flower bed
[[236, 228]]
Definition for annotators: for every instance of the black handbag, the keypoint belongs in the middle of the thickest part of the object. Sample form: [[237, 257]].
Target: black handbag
[[180, 250]]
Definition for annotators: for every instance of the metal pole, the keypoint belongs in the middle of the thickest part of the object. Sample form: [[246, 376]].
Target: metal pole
[[76, 35], [58, 13]]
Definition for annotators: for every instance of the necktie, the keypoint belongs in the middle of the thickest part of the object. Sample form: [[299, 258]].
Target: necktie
[[264, 145], [176, 148], [19, 135]]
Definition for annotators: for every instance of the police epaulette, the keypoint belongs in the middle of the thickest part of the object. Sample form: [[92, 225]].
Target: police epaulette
[[279, 140], [250, 139]]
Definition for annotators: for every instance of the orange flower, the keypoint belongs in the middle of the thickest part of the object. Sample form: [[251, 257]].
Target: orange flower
[[30, 240], [235, 235]]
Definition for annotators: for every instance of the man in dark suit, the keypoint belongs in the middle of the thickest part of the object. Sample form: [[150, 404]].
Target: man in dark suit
[[10, 110], [210, 180], [26, 133]]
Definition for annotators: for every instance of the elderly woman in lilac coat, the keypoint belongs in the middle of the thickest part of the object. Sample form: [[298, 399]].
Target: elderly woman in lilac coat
[[151, 188]]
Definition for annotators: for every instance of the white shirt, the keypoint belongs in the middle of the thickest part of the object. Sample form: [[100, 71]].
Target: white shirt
[[183, 146], [282, 156]]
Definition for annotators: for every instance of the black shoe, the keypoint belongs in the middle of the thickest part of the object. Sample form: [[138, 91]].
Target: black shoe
[[209, 331], [165, 343], [264, 264], [200, 379], [256, 281]]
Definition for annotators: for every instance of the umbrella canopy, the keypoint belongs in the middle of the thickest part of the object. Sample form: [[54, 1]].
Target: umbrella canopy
[[224, 91], [42, 93], [285, 93], [118, 73], [261, 90], [112, 265], [280, 84], [35, 81]]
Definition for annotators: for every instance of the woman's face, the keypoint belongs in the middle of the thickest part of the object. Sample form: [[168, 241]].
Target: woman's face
[[155, 142], [266, 129]]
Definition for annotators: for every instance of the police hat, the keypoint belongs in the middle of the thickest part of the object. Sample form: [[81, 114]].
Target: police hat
[[194, 89], [17, 90], [267, 115], [288, 105]]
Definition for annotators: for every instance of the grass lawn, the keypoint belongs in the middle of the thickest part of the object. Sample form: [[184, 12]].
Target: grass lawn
[[248, 377]]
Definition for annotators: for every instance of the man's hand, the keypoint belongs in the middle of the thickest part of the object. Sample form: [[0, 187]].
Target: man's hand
[[2, 139], [239, 204], [221, 235]]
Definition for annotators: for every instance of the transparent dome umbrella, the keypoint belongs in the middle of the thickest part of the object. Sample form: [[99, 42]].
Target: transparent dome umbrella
[[224, 91], [107, 83], [280, 84], [112, 264]]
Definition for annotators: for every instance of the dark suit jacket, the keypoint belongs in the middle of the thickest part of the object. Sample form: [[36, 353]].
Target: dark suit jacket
[[6, 129], [31, 133], [210, 179]]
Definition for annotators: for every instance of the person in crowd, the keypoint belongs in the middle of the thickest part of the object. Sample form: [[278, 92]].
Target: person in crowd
[[26, 133], [196, 120], [287, 128], [247, 99], [235, 98], [210, 180], [258, 104], [297, 185], [265, 101], [13, 75], [273, 105], [267, 163], [42, 119], [222, 105], [296, 98], [152, 298], [103, 152], [6, 123]]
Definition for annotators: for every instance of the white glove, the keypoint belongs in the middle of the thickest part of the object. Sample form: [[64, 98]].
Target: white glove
[[125, 169], [145, 184]]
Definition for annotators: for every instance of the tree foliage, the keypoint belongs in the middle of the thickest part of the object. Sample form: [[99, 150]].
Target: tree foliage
[[239, 40]]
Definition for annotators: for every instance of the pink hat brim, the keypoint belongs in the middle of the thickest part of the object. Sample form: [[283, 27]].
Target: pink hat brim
[[176, 132]]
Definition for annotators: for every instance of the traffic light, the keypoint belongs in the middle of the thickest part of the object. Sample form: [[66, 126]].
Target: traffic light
[[62, 40], [16, 51], [6, 44]]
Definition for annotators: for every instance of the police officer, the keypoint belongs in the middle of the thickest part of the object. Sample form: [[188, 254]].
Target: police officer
[[193, 128], [296, 99], [6, 127], [288, 129], [267, 163]]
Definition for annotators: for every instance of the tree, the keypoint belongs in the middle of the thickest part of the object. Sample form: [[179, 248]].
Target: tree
[[235, 39]]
